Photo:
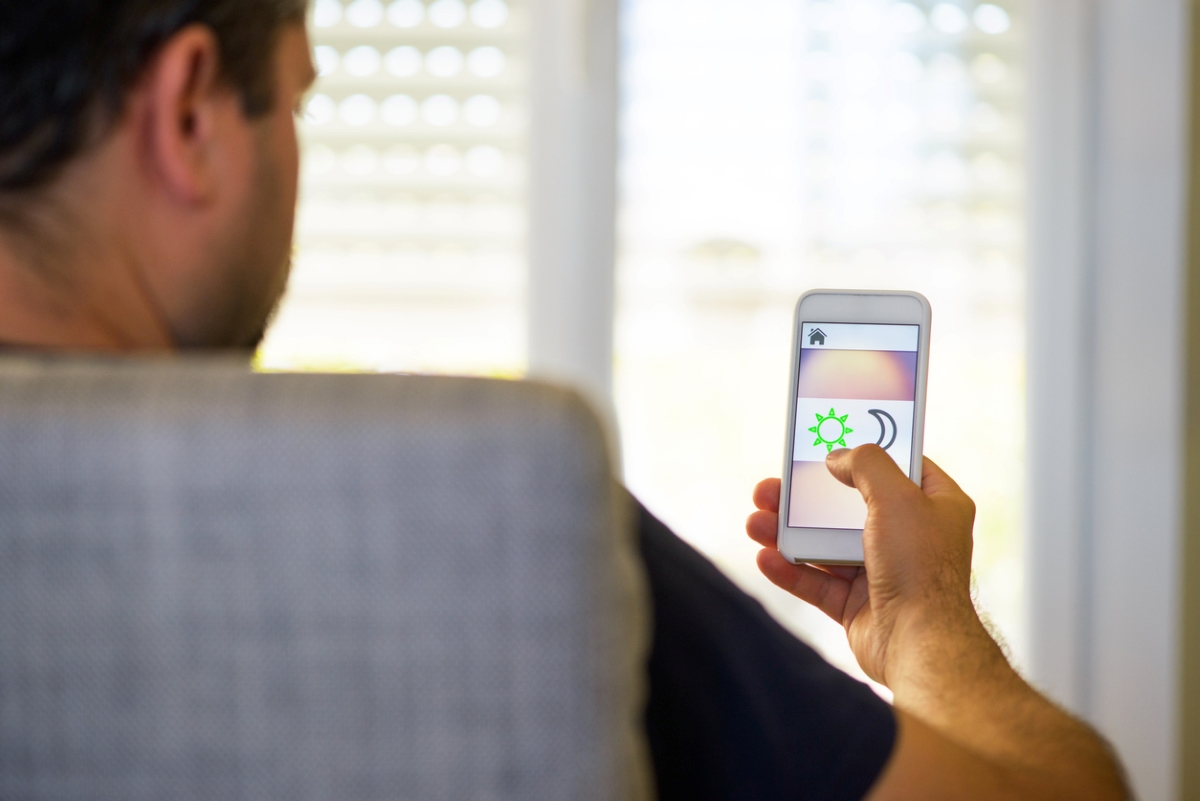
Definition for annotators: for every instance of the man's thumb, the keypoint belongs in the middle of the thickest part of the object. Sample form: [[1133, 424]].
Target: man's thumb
[[869, 469]]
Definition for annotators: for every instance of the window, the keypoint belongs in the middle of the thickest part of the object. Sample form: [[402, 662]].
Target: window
[[767, 147], [411, 226], [772, 146]]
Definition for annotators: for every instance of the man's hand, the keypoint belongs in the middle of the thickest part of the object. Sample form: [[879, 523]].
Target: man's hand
[[916, 541], [969, 726]]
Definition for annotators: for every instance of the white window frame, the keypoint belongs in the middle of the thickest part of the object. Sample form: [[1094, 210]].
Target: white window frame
[[1107, 234], [573, 194]]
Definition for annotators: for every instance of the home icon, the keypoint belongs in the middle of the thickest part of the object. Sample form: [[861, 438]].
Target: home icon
[[817, 337]]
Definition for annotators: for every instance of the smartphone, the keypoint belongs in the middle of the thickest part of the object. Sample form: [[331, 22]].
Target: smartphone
[[860, 362]]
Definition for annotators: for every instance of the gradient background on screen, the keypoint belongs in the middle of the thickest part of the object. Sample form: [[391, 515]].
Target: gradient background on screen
[[818, 500], [858, 374]]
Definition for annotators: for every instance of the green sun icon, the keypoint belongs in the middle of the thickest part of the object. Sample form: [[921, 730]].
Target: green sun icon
[[831, 430]]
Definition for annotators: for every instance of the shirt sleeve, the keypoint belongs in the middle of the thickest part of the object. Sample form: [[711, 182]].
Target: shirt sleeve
[[739, 708]]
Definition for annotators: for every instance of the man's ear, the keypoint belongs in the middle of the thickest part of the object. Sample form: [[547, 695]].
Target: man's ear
[[187, 108]]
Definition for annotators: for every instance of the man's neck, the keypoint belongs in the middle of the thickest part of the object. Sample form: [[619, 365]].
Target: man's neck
[[73, 258], [57, 307]]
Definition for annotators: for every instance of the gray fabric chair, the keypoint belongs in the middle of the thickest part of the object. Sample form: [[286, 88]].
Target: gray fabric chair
[[221, 585]]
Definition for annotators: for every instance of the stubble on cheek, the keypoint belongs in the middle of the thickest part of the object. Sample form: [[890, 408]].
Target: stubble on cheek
[[257, 334], [254, 265], [250, 273]]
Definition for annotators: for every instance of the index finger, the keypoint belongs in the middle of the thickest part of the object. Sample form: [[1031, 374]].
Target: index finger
[[934, 479]]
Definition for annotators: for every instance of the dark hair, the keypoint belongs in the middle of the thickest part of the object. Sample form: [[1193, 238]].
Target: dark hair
[[66, 65]]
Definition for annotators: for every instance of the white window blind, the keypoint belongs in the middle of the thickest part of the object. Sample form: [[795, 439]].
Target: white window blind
[[411, 230]]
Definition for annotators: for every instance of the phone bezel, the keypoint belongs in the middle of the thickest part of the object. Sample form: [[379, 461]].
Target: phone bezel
[[839, 545]]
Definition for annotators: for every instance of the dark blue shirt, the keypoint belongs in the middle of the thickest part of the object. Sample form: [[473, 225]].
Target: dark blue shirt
[[739, 708]]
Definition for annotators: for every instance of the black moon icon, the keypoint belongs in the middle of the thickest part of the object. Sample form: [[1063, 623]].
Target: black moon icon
[[883, 427]]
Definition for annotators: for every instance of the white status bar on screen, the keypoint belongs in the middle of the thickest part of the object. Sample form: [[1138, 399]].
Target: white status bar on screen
[[859, 336]]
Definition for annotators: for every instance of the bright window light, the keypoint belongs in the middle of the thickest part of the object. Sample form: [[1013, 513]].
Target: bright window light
[[327, 59], [327, 13], [404, 61], [489, 13], [774, 146], [358, 110], [447, 13], [364, 13], [907, 18], [443, 160], [362, 61], [948, 18], [406, 13], [399, 110], [320, 110], [991, 19], [444, 61], [360, 160], [439, 110], [486, 62], [402, 160], [482, 111]]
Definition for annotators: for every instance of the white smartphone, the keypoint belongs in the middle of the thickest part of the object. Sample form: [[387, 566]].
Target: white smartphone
[[860, 362]]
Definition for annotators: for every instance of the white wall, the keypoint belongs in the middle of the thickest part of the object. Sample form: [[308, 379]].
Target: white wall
[[1108, 164]]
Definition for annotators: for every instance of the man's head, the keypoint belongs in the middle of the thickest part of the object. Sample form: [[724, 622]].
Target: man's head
[[148, 167]]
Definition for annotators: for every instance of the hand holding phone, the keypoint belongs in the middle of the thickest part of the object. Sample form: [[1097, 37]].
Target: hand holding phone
[[859, 371], [913, 597]]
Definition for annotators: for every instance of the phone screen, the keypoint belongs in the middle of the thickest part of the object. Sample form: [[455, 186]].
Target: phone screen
[[857, 384]]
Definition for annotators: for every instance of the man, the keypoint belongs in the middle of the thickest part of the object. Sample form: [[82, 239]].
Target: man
[[148, 174]]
